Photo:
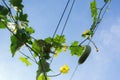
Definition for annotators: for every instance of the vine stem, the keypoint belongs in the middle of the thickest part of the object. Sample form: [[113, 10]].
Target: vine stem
[[94, 45], [32, 55], [27, 56], [54, 75]]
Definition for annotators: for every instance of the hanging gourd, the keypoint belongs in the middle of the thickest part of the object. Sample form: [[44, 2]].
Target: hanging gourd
[[85, 54]]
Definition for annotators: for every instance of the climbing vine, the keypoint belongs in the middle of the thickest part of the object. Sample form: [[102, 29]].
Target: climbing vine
[[13, 18]]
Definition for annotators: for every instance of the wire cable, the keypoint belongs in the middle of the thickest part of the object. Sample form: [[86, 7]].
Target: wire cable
[[74, 72], [60, 19], [64, 25], [68, 17]]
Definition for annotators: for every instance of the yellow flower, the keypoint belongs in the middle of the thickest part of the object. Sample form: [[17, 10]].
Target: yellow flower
[[56, 54], [65, 47], [15, 31], [86, 33], [64, 69]]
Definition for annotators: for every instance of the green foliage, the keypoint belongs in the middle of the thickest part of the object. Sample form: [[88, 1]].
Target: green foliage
[[42, 77], [76, 49], [43, 67], [3, 10], [2, 25], [18, 40], [48, 40], [41, 48], [15, 45], [94, 15], [36, 47], [93, 8], [29, 30], [17, 4], [57, 42], [87, 33], [22, 17], [59, 39], [106, 1], [25, 60]]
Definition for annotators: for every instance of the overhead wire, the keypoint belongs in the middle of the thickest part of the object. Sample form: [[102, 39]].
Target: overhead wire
[[68, 17], [60, 19], [63, 29], [63, 13]]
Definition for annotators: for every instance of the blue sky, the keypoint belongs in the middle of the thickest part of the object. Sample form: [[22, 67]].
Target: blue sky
[[44, 16]]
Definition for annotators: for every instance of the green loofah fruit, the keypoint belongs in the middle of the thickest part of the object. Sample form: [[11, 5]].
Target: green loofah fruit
[[85, 54]]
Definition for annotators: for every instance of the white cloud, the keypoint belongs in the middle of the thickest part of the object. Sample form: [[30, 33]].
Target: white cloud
[[111, 35], [115, 29], [106, 37]]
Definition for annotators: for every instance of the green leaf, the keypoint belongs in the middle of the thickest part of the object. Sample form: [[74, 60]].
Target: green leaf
[[76, 49], [48, 40], [25, 60], [30, 30], [16, 3], [2, 25], [42, 77], [3, 10], [15, 45], [93, 7], [18, 40], [59, 39], [41, 48], [23, 35], [43, 66], [36, 47], [106, 1], [23, 17]]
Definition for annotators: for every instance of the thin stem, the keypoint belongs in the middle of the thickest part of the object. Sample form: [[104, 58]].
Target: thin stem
[[94, 45], [27, 56], [83, 41], [32, 55], [54, 75], [41, 64]]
